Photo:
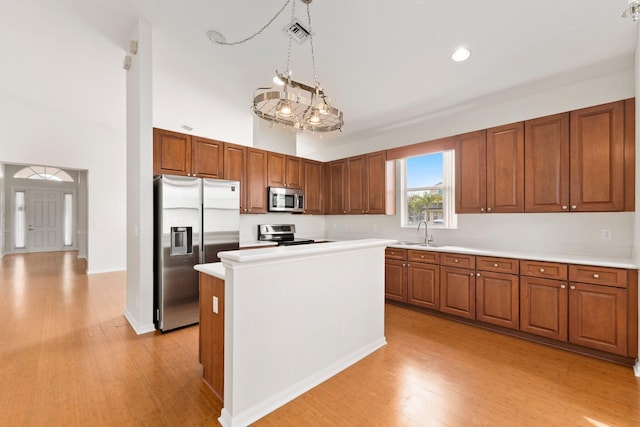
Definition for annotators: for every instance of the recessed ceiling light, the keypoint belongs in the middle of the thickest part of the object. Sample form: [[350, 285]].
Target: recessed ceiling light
[[461, 54], [216, 37]]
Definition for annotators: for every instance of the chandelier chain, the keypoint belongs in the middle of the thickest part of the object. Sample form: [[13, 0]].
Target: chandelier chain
[[257, 33], [293, 18], [313, 54]]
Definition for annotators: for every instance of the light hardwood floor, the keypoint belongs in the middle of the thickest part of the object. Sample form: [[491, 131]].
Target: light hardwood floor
[[68, 357]]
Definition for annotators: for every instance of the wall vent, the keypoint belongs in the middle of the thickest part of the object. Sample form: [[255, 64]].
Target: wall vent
[[299, 32]]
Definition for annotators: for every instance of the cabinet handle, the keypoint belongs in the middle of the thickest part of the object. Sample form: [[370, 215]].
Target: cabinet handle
[[542, 270], [572, 287], [563, 286], [362, 211], [495, 265], [596, 276]]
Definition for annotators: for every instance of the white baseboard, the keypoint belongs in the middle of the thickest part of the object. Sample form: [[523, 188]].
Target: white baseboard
[[106, 270], [636, 368], [139, 329], [261, 409]]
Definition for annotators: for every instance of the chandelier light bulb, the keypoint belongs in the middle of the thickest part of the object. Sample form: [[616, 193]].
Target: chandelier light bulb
[[314, 118], [284, 109], [461, 54]]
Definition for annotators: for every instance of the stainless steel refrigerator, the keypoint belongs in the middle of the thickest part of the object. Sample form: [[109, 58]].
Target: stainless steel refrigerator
[[194, 219]]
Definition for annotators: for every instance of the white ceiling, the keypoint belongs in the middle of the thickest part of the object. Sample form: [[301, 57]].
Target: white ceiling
[[382, 62]]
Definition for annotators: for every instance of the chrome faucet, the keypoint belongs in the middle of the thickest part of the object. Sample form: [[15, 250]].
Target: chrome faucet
[[427, 239]]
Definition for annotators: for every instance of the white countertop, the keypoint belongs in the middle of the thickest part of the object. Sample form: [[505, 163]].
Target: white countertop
[[281, 252], [535, 256], [215, 269], [256, 243]]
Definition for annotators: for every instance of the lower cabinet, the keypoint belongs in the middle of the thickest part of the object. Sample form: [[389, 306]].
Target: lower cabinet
[[458, 292], [544, 307], [587, 306], [598, 317], [211, 332]]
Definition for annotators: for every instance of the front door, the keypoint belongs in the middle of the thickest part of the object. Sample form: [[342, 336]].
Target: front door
[[44, 221]]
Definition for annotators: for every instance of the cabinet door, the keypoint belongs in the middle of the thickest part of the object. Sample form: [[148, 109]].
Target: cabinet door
[[546, 147], [505, 168], [294, 172], [356, 178], [458, 292], [395, 280], [313, 187], [543, 307], [211, 332], [423, 283], [471, 172], [597, 158], [336, 189], [256, 186], [235, 166], [497, 299], [376, 183], [207, 158], [171, 153], [598, 317], [277, 169]]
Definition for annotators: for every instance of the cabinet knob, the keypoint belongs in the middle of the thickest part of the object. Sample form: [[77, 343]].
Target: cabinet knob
[[477, 274], [404, 265], [495, 265], [481, 209], [471, 274], [393, 253], [572, 287], [542, 270], [422, 256], [565, 207], [408, 264], [456, 260], [596, 276], [563, 286], [574, 207], [362, 211], [489, 209]]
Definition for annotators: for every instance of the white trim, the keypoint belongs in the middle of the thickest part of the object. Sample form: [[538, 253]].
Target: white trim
[[105, 270], [258, 411], [139, 329], [636, 368]]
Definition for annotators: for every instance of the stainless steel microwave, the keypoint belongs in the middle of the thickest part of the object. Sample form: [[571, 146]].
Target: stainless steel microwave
[[286, 200]]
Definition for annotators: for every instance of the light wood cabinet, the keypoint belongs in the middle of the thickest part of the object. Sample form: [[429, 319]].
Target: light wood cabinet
[[248, 166], [179, 154], [285, 171], [313, 183], [211, 333]]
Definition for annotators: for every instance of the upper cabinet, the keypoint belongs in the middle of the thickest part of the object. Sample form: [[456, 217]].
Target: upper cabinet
[[547, 164], [249, 167], [335, 176], [582, 161], [285, 171], [313, 199], [597, 158], [579, 161], [471, 172], [179, 154]]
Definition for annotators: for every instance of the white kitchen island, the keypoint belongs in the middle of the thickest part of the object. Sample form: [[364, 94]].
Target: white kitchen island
[[293, 317]]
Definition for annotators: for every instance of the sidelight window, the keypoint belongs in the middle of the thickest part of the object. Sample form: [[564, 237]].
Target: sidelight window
[[68, 219], [19, 228], [428, 189]]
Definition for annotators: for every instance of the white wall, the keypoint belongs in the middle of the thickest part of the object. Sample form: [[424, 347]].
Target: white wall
[[44, 135], [2, 210], [307, 226]]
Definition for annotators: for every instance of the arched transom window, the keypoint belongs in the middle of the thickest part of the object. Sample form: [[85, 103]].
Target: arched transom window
[[43, 173]]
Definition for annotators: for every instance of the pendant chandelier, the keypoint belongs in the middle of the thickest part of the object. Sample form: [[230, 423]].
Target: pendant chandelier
[[633, 11], [292, 104]]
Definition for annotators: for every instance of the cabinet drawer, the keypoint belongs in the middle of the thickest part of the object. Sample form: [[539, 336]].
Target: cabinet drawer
[[501, 265], [394, 253], [548, 270], [598, 275], [458, 260], [423, 256]]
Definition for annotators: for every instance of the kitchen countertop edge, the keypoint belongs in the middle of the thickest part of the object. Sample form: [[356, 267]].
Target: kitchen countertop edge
[[215, 269]]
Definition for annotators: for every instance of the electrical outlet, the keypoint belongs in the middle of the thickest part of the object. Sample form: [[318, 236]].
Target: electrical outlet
[[501, 231], [344, 329], [215, 305], [606, 234], [375, 227]]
